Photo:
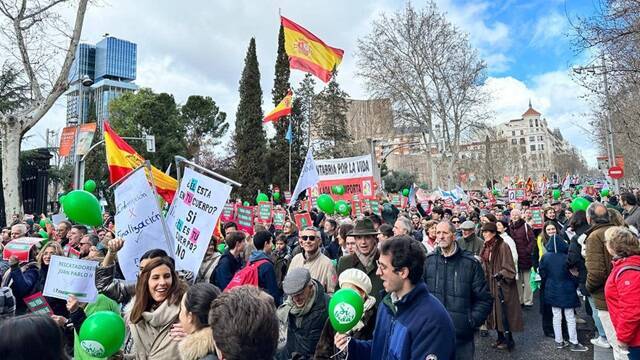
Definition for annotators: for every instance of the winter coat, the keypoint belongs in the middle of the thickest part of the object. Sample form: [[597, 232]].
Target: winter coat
[[576, 260], [292, 240], [472, 244], [523, 236], [632, 217], [458, 282], [415, 327], [353, 262], [267, 275], [559, 285], [598, 263], [326, 349], [151, 340], [303, 333], [23, 281], [198, 346], [58, 306], [227, 267], [502, 262], [208, 266], [115, 289], [623, 299], [281, 265]]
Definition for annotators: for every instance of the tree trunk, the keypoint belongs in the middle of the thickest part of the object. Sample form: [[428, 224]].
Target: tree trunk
[[11, 179]]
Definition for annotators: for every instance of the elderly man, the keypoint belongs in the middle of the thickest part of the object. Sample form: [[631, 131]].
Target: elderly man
[[402, 226], [523, 236], [319, 265], [62, 231], [303, 314], [456, 278], [631, 212], [18, 231], [598, 264], [366, 255], [469, 241]]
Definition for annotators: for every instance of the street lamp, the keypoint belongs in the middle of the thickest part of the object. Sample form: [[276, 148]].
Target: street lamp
[[78, 168]]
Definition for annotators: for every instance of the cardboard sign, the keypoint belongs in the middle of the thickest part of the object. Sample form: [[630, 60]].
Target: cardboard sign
[[517, 195], [396, 200], [37, 304], [227, 212], [245, 219], [287, 196], [376, 208], [279, 217], [448, 203], [20, 248], [265, 212], [68, 276], [303, 220], [537, 218]]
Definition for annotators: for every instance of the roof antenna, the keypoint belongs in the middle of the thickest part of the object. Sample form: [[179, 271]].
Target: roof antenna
[[529, 103]]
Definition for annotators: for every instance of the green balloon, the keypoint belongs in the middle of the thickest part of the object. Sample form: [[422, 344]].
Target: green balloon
[[345, 310], [102, 334], [222, 247], [337, 189], [262, 197], [405, 192], [342, 208], [61, 200], [43, 223], [90, 186], [604, 192], [496, 192], [556, 194], [246, 203], [82, 207], [276, 196], [43, 234], [326, 204], [580, 203]]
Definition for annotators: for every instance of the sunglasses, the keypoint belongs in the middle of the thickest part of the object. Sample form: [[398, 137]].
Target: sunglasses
[[308, 238], [456, 222]]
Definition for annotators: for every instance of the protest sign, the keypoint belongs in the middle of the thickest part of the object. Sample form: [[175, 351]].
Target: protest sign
[[37, 304], [537, 218], [193, 214], [227, 212], [279, 217], [303, 220], [56, 219], [517, 195], [68, 276], [354, 173], [287, 196], [245, 219], [396, 200], [20, 248], [265, 212], [139, 222], [448, 203], [375, 207]]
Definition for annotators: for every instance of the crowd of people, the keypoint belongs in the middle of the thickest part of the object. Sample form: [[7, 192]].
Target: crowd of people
[[430, 276]]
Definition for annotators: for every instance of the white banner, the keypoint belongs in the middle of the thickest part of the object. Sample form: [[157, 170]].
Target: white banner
[[193, 215], [308, 177], [336, 169], [67, 276], [138, 222]]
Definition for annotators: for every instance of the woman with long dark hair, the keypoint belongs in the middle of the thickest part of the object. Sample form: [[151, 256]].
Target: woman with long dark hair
[[194, 319], [31, 337], [155, 309]]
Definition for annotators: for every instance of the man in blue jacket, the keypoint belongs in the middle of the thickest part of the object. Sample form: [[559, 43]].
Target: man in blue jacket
[[263, 241], [411, 323], [231, 261]]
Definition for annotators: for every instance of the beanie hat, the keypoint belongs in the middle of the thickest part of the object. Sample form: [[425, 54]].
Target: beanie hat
[[7, 302], [356, 278]]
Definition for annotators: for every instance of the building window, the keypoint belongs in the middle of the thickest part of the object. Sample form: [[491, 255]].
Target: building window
[[514, 141], [540, 138], [521, 132], [530, 123], [536, 122], [541, 146], [533, 148], [513, 133], [522, 141], [532, 138]]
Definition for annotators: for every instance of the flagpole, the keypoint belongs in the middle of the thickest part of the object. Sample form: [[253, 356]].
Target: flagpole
[[290, 142]]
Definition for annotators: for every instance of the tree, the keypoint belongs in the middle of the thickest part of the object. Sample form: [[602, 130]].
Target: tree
[[250, 138], [278, 156], [395, 181], [13, 92], [27, 37], [203, 122], [331, 107]]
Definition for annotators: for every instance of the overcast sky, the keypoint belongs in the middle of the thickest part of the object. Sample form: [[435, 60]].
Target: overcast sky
[[198, 47]]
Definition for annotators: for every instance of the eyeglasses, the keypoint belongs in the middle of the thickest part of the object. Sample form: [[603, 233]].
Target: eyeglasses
[[85, 243], [308, 238], [456, 222]]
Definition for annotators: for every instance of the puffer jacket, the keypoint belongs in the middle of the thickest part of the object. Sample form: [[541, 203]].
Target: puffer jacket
[[598, 263], [559, 285], [23, 280], [632, 217], [575, 259], [458, 282], [623, 299], [115, 289], [522, 234]]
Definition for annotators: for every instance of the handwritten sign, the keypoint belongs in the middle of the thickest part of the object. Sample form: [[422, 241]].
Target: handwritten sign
[[245, 219], [68, 276], [265, 212]]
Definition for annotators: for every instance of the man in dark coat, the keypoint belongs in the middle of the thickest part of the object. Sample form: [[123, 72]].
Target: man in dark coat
[[263, 241], [456, 278], [365, 256], [231, 261], [631, 212], [522, 234]]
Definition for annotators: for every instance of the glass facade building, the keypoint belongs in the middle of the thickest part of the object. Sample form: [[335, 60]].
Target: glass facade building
[[111, 65]]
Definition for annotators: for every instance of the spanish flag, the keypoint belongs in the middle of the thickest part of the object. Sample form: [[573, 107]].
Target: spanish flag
[[308, 53], [283, 109], [122, 159]]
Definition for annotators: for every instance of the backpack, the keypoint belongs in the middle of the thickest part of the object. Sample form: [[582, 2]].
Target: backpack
[[246, 276]]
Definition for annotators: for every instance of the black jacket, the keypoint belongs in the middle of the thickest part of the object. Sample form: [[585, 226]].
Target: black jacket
[[458, 282], [227, 267], [575, 259]]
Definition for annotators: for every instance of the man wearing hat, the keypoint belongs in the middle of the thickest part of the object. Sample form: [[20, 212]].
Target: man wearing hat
[[470, 241], [302, 316], [366, 255]]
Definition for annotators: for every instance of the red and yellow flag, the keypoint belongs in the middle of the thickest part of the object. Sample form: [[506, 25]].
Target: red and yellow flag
[[283, 109], [308, 53], [122, 159]]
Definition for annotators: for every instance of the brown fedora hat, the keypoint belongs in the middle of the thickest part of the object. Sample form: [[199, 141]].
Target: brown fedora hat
[[363, 227]]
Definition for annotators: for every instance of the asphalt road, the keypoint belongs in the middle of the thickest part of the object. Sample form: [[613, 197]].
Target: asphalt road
[[531, 344]]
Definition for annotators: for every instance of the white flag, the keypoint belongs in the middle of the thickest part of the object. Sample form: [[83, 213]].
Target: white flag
[[566, 185], [308, 177], [139, 222]]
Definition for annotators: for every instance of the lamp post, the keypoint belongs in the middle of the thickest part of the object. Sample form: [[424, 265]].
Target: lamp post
[[78, 166]]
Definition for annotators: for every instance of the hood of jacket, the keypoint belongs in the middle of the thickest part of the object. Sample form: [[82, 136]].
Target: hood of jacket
[[557, 245], [197, 345], [628, 261], [259, 255]]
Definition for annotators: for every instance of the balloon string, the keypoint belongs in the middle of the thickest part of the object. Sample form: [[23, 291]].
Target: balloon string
[[345, 350]]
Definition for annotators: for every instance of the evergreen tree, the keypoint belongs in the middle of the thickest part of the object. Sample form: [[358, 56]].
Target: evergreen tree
[[332, 129], [278, 156], [250, 139], [204, 124]]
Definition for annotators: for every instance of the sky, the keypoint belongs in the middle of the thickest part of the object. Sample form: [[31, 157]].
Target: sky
[[199, 49]]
